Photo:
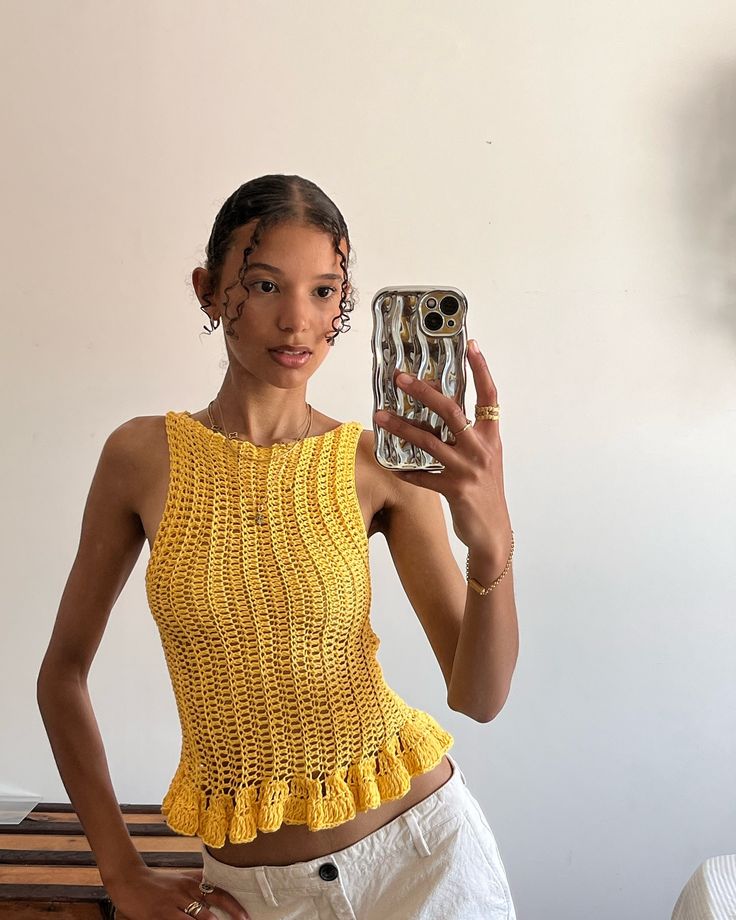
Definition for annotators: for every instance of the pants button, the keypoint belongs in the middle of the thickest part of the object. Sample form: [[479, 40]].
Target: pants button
[[328, 871]]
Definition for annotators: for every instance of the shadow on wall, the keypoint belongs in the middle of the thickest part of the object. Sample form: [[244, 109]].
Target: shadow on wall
[[705, 157]]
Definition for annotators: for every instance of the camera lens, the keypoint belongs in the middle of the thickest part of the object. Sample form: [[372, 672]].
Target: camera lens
[[449, 305], [433, 321], [431, 302]]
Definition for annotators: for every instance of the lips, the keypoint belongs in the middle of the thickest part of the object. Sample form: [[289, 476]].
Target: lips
[[286, 359]]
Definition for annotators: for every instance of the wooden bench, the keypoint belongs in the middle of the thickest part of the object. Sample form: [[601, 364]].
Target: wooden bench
[[47, 866]]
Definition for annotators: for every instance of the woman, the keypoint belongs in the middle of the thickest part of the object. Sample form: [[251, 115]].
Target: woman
[[315, 790]]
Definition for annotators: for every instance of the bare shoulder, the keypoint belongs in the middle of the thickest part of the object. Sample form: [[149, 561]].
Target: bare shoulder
[[137, 449], [128, 433], [137, 441], [133, 439]]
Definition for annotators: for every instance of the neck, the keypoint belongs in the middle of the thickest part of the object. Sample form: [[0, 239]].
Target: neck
[[289, 421]]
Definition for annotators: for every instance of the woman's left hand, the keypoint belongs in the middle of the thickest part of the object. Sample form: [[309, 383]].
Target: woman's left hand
[[472, 480]]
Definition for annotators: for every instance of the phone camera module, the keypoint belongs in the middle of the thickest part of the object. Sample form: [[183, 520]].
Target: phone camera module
[[449, 305], [433, 321]]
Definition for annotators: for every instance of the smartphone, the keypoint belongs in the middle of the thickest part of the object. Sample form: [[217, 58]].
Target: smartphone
[[420, 330]]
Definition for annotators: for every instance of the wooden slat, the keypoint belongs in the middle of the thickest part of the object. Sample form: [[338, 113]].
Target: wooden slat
[[41, 817], [124, 806], [50, 875], [74, 827], [155, 860], [28, 910], [55, 875], [49, 897], [53, 843]]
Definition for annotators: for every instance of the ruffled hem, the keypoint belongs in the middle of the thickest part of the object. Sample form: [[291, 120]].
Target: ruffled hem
[[417, 747]]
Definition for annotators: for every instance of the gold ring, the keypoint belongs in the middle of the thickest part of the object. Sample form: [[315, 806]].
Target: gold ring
[[454, 434], [487, 413]]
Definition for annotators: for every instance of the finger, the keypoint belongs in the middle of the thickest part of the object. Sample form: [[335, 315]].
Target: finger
[[429, 393], [226, 902], [486, 395], [236, 912], [414, 434], [485, 389], [218, 898]]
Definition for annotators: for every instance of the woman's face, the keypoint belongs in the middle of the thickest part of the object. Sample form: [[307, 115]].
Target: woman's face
[[292, 302]]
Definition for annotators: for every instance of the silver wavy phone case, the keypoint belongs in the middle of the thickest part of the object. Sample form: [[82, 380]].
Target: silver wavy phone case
[[420, 330]]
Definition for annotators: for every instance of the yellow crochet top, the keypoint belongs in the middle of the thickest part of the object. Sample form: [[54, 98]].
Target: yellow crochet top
[[264, 620]]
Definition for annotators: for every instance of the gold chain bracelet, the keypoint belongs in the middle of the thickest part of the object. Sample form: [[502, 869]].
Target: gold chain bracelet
[[475, 584]]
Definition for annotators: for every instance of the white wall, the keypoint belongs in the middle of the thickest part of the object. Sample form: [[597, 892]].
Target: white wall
[[572, 167]]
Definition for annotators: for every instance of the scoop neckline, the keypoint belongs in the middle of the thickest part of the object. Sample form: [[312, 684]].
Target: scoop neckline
[[262, 447]]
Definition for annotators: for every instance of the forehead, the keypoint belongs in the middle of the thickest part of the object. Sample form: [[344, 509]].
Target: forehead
[[290, 246]]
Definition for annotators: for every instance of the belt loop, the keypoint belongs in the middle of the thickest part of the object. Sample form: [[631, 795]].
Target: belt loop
[[266, 889], [416, 833], [456, 766]]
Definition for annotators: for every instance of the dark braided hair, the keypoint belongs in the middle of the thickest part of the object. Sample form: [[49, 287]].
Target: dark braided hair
[[272, 200]]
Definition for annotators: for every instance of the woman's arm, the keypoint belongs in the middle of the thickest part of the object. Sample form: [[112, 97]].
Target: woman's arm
[[488, 646], [110, 544], [475, 638]]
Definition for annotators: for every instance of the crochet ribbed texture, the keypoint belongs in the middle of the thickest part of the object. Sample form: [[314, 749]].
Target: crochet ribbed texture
[[285, 714]]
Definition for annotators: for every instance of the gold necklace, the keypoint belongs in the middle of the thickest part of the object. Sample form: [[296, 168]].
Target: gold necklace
[[259, 516]]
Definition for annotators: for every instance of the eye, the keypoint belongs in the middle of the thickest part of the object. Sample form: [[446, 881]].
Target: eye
[[330, 291], [263, 282]]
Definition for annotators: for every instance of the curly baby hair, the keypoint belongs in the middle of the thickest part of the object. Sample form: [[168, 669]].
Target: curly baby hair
[[271, 200]]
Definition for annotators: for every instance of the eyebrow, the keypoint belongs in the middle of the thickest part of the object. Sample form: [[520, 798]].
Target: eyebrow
[[277, 271]]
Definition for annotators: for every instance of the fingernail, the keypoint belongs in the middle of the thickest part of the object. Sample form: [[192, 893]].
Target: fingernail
[[474, 346], [403, 380]]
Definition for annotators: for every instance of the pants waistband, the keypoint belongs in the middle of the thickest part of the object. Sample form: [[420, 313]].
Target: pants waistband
[[410, 826]]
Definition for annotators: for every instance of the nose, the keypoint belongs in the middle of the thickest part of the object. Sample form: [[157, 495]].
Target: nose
[[294, 312]]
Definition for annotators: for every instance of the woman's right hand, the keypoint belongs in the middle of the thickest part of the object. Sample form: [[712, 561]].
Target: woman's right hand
[[150, 894]]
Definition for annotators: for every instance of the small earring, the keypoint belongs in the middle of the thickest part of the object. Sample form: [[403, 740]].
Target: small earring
[[213, 324]]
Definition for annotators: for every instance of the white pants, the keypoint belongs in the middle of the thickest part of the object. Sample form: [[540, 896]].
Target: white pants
[[436, 861]]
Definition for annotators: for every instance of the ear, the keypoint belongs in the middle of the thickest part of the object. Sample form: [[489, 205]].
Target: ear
[[203, 288], [202, 285]]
